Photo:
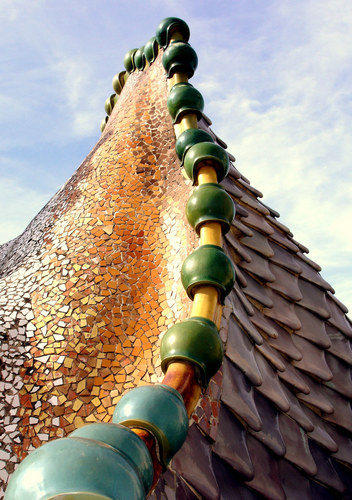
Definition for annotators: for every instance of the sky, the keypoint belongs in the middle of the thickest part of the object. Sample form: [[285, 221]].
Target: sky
[[275, 75]]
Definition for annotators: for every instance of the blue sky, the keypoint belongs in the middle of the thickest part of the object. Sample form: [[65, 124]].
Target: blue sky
[[275, 75]]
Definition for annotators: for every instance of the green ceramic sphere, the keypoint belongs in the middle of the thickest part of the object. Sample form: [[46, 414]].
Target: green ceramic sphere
[[180, 57], [206, 152], [118, 82], [107, 106], [79, 467], [169, 26], [210, 203], [208, 265], [139, 59], [197, 341], [126, 442], [103, 123], [110, 103], [184, 98], [151, 50], [160, 410], [190, 137], [128, 61]]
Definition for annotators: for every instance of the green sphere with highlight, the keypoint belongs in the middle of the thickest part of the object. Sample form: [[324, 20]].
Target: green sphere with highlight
[[160, 410], [189, 138], [180, 57], [139, 59], [151, 50], [210, 203], [184, 98], [208, 265], [168, 27], [206, 153], [195, 340], [128, 61]]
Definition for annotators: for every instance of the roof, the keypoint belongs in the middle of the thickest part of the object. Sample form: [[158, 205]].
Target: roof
[[90, 285]]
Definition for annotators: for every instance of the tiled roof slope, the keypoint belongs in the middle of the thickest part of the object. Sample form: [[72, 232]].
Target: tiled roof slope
[[280, 422], [275, 421]]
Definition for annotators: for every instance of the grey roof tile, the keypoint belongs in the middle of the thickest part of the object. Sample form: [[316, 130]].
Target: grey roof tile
[[282, 240], [317, 397], [231, 444], [257, 221], [297, 449], [193, 463], [258, 266], [294, 483], [242, 318], [284, 312], [314, 299], [313, 361], [264, 324], [296, 412], [294, 378], [237, 394], [271, 387], [259, 243], [285, 283], [312, 328], [341, 376], [285, 259], [256, 291], [274, 358], [243, 299], [284, 344], [266, 474], [340, 346], [270, 434], [242, 227], [232, 485], [326, 473], [241, 351], [337, 319], [233, 242], [310, 274]]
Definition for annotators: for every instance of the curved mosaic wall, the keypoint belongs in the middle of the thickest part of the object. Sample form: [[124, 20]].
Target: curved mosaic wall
[[83, 309]]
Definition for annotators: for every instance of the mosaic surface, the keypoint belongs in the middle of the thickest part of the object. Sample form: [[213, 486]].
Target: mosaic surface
[[89, 287]]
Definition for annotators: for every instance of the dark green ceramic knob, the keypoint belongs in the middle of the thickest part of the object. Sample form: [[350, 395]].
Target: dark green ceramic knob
[[103, 123], [169, 26], [197, 341], [110, 103], [180, 57], [118, 82], [160, 410], [209, 153], [125, 441], [184, 98], [210, 203], [151, 50], [107, 106], [128, 61], [190, 137], [79, 468], [208, 265], [139, 59]]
